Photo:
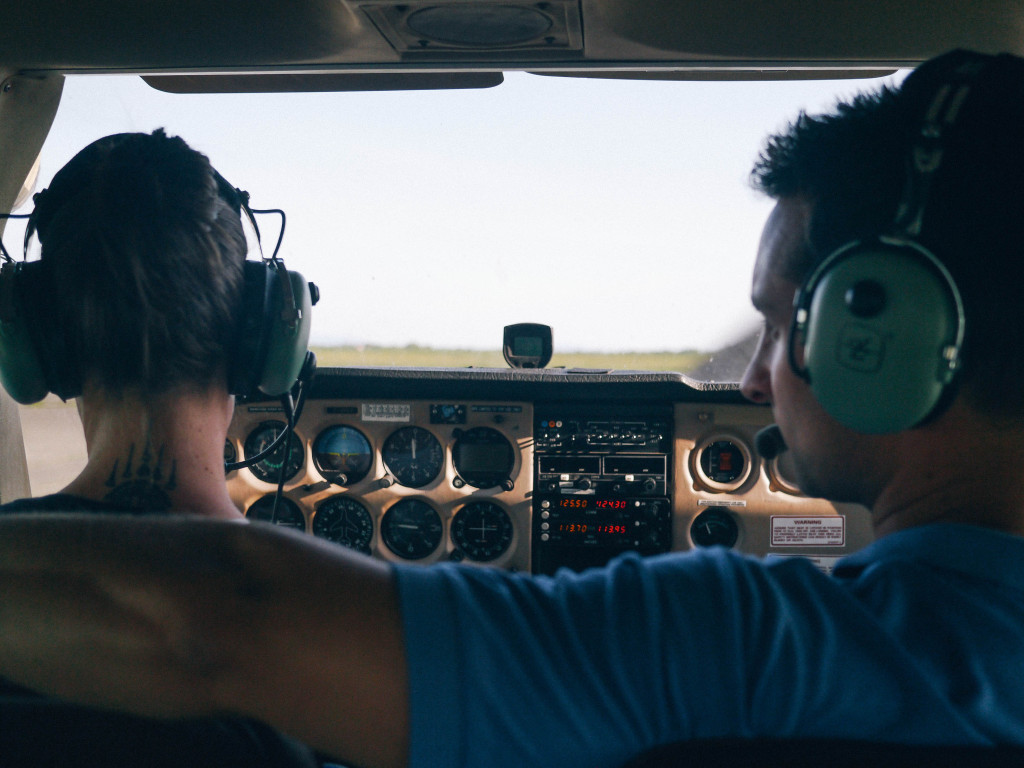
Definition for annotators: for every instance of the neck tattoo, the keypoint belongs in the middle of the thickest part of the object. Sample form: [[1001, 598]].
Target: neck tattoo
[[143, 485]]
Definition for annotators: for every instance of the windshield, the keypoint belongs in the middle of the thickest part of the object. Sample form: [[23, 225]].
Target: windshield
[[616, 212]]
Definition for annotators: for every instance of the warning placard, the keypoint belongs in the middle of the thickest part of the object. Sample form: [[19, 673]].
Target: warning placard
[[790, 531]]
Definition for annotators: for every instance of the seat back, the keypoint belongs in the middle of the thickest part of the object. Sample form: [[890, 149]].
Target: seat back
[[40, 731], [815, 753]]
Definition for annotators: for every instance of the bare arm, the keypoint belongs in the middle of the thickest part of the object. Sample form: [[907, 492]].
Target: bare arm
[[183, 617]]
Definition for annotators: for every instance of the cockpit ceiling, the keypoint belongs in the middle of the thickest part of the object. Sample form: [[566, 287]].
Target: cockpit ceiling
[[733, 37]]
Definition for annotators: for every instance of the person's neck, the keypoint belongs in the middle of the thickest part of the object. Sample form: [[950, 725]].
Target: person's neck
[[961, 469], [164, 454]]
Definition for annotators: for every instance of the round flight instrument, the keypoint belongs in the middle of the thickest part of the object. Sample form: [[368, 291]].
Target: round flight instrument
[[482, 530], [723, 464], [483, 457], [414, 456], [714, 526], [269, 469], [344, 521], [342, 455], [411, 529], [288, 513], [782, 474]]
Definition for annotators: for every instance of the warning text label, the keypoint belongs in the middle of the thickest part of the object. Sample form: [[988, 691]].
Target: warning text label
[[808, 531]]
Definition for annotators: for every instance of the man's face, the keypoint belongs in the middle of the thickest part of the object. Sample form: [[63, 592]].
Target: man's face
[[830, 460]]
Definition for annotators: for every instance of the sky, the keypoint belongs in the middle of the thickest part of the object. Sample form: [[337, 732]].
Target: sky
[[618, 212]]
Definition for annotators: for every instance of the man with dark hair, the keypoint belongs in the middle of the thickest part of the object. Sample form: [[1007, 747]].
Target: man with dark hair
[[135, 307], [916, 639]]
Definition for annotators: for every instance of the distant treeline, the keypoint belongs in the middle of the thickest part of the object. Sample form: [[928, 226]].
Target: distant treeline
[[428, 357]]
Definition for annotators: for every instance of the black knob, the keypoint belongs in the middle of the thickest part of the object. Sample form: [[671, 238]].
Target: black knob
[[584, 483], [650, 485]]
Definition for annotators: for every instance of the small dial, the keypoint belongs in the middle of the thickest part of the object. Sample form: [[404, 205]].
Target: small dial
[[411, 529], [344, 521], [287, 514], [414, 456], [722, 461], [342, 455], [782, 474], [482, 530], [269, 469], [714, 527], [483, 457]]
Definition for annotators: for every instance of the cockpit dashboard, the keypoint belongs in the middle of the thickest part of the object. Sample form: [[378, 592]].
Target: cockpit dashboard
[[530, 470]]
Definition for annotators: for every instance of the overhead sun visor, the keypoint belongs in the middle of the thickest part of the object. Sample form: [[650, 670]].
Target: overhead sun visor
[[323, 82], [879, 32], [721, 75], [127, 35]]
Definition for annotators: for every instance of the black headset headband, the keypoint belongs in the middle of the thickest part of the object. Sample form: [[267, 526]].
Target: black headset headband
[[79, 171]]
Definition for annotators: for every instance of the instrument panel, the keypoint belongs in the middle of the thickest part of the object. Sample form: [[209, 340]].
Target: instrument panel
[[547, 473]]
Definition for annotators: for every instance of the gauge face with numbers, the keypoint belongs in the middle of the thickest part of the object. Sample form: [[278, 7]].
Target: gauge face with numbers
[[344, 521], [482, 530], [414, 456], [411, 529], [269, 469], [287, 513]]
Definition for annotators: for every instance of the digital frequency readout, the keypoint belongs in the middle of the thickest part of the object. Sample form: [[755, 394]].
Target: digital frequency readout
[[590, 528], [586, 503]]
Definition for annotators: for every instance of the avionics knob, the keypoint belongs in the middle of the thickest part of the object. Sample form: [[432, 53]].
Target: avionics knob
[[652, 509], [584, 483], [650, 485]]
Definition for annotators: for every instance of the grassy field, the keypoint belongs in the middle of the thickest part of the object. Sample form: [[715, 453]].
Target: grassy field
[[428, 357]]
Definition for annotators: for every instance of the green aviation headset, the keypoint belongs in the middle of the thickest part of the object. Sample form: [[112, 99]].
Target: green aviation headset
[[273, 332], [878, 327]]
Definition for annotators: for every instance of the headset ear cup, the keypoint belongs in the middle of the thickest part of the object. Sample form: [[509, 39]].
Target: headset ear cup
[[34, 358], [270, 349], [882, 321], [249, 351], [288, 339], [21, 371]]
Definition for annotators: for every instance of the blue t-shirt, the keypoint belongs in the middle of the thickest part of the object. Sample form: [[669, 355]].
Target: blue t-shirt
[[918, 638]]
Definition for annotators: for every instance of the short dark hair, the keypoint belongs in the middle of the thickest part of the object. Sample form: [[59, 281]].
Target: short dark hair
[[145, 254], [852, 166]]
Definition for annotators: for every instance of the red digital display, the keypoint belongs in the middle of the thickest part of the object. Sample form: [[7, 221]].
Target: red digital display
[[591, 528], [591, 503], [574, 503]]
